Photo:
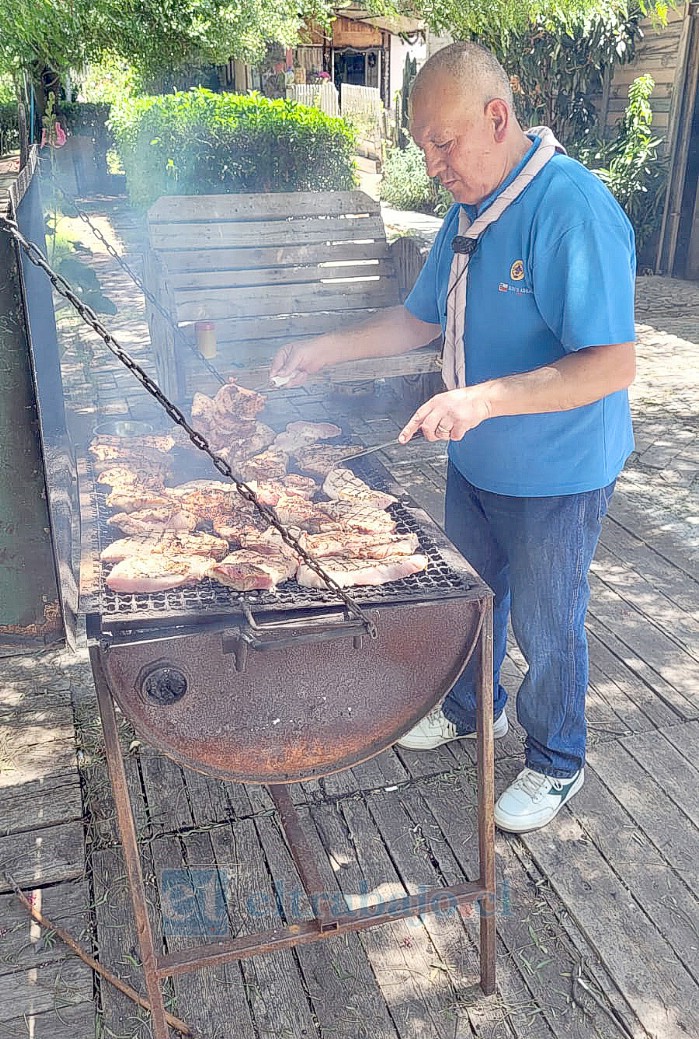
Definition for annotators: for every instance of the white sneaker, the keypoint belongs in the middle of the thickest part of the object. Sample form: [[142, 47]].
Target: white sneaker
[[436, 729], [533, 800]]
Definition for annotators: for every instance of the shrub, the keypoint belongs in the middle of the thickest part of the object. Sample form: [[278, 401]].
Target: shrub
[[405, 182], [634, 171], [198, 142]]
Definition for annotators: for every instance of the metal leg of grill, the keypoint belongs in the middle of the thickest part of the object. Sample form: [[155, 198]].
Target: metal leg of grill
[[486, 795], [324, 924], [127, 830]]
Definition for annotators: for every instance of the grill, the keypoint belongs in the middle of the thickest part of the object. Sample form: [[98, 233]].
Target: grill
[[199, 670], [113, 613]]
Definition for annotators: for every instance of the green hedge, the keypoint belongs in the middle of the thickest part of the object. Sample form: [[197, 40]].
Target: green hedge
[[198, 142]]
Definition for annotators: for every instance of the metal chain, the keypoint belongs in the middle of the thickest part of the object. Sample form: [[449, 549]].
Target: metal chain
[[138, 281], [64, 289]]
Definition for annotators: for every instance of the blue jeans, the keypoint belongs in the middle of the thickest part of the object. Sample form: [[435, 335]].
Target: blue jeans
[[534, 553]]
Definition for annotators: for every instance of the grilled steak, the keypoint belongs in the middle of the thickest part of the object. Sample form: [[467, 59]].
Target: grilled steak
[[349, 515], [149, 521], [124, 476], [353, 545], [298, 435], [235, 524], [169, 543], [247, 569], [269, 465], [136, 496], [322, 458], [302, 485], [343, 485], [156, 573], [350, 572]]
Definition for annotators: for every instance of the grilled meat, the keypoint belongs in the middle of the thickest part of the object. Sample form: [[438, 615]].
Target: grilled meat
[[343, 485], [313, 431], [349, 515], [301, 485], [233, 399], [156, 573], [351, 572], [322, 458], [149, 521], [247, 569], [298, 435], [168, 543], [269, 465], [234, 524], [352, 545], [137, 496]]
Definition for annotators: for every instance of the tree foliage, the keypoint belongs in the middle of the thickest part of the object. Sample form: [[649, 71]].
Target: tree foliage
[[463, 19], [157, 35], [154, 35]]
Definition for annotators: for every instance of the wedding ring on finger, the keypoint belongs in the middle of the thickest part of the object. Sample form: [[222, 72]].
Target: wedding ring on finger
[[443, 430]]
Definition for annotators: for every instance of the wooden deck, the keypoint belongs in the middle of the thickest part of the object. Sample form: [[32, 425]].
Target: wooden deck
[[598, 915]]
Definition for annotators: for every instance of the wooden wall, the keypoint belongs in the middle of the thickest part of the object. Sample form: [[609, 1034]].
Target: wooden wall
[[658, 53]]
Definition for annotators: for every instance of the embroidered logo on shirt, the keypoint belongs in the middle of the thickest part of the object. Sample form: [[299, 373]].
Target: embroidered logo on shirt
[[517, 271], [503, 286]]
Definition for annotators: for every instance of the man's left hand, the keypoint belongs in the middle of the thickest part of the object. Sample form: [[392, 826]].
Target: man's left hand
[[448, 416]]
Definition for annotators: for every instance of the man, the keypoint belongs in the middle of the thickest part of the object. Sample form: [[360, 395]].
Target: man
[[536, 415]]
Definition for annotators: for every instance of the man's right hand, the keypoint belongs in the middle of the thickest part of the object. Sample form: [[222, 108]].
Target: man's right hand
[[295, 362]]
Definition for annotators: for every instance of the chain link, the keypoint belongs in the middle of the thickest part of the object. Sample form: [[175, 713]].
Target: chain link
[[64, 289], [180, 337]]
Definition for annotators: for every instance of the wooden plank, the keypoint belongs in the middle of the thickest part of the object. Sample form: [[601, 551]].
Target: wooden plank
[[51, 855], [633, 702], [48, 987], [40, 802], [634, 585], [23, 759], [211, 1001], [670, 768], [651, 977], [274, 985], [277, 300], [261, 277], [530, 973], [659, 872], [401, 953], [663, 655], [347, 1001], [650, 528], [279, 204], [166, 793], [686, 739], [164, 237], [20, 730], [676, 584], [212, 800], [19, 697], [24, 944], [117, 943], [252, 258], [411, 839], [72, 1022], [247, 331]]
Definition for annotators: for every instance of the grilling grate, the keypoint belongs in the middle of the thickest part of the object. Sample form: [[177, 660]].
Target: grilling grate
[[444, 575]]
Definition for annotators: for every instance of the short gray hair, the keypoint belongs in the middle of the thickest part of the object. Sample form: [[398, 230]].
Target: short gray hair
[[469, 65]]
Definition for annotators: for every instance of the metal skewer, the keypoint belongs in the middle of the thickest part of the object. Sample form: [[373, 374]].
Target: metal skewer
[[380, 447]]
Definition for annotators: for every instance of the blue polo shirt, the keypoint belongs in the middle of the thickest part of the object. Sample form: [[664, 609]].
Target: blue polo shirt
[[553, 275]]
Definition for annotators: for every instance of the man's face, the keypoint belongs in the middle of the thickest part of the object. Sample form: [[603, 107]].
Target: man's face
[[458, 138]]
